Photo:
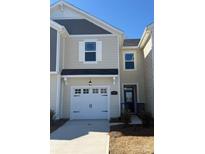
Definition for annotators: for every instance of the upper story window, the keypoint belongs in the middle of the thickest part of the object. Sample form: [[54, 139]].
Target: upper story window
[[90, 51], [129, 59]]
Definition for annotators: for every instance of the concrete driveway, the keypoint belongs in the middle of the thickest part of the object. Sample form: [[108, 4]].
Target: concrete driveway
[[81, 137]]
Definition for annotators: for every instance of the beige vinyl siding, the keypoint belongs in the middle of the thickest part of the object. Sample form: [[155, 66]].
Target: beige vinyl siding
[[109, 53], [53, 91], [114, 99], [149, 75], [133, 76]]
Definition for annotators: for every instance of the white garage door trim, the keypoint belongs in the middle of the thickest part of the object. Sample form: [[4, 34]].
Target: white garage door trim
[[96, 86]]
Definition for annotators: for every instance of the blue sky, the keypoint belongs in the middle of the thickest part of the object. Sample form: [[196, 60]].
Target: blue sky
[[131, 16]]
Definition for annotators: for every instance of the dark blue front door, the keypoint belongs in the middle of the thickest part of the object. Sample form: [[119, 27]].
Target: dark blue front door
[[129, 98]]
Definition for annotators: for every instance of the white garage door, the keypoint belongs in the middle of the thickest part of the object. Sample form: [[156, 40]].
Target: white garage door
[[89, 103]]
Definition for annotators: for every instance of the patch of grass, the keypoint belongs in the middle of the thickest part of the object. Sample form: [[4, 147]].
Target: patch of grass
[[56, 124], [131, 139]]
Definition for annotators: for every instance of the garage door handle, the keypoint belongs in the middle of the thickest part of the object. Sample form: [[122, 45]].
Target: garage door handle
[[104, 95], [104, 111], [76, 111], [76, 95]]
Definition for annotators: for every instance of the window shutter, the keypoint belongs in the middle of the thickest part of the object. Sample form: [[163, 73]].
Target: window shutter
[[99, 50], [81, 51]]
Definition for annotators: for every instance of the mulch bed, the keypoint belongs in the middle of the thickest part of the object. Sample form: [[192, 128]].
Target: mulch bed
[[131, 139], [56, 124]]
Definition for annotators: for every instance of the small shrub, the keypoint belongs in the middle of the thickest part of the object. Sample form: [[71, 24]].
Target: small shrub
[[52, 116], [147, 119], [126, 117]]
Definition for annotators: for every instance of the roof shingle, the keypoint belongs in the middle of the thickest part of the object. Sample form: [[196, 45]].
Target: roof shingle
[[81, 27], [131, 42]]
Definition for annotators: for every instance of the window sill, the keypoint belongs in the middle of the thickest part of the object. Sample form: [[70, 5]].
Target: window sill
[[130, 69], [90, 62]]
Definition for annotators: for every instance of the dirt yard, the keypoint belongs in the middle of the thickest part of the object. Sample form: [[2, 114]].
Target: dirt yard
[[131, 139], [56, 124]]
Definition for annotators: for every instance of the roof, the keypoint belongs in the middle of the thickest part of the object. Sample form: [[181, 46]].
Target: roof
[[146, 34], [131, 42], [81, 27], [89, 72]]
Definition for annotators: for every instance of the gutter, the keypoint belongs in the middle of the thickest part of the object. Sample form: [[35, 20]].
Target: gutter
[[145, 36]]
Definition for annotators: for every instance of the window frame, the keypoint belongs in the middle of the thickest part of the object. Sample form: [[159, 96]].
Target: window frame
[[87, 51], [78, 91], [103, 90], [124, 60], [93, 89], [84, 89]]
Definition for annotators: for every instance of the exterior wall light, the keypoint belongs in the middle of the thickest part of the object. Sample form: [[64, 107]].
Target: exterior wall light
[[90, 83]]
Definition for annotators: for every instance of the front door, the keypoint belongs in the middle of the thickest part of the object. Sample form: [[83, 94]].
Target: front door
[[129, 98]]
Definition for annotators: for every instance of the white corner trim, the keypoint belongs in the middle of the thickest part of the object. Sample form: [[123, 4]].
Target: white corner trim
[[58, 52], [119, 89], [135, 60], [62, 99], [58, 97], [63, 61]]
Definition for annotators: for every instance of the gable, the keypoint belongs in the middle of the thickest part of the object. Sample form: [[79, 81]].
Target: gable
[[81, 27], [64, 10]]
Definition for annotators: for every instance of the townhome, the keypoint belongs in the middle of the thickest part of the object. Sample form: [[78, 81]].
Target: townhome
[[95, 73], [146, 45]]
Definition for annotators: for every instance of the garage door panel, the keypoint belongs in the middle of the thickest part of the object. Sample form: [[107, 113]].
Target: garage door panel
[[89, 103]]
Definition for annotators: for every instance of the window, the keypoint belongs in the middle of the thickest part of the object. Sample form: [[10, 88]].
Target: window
[[90, 46], [90, 51], [95, 91], [129, 61], [103, 91], [77, 91], [85, 91]]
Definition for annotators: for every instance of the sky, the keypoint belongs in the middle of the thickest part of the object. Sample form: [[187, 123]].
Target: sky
[[130, 16]]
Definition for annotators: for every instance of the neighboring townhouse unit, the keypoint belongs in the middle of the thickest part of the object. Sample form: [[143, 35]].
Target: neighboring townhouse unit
[[147, 46], [132, 76], [95, 72]]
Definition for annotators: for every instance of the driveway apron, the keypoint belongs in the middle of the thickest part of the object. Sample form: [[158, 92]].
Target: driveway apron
[[81, 137]]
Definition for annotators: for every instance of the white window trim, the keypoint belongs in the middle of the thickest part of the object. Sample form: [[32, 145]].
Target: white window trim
[[135, 67]]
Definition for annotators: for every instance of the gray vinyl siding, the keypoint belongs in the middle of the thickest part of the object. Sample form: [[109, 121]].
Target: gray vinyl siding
[[109, 53], [53, 44]]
